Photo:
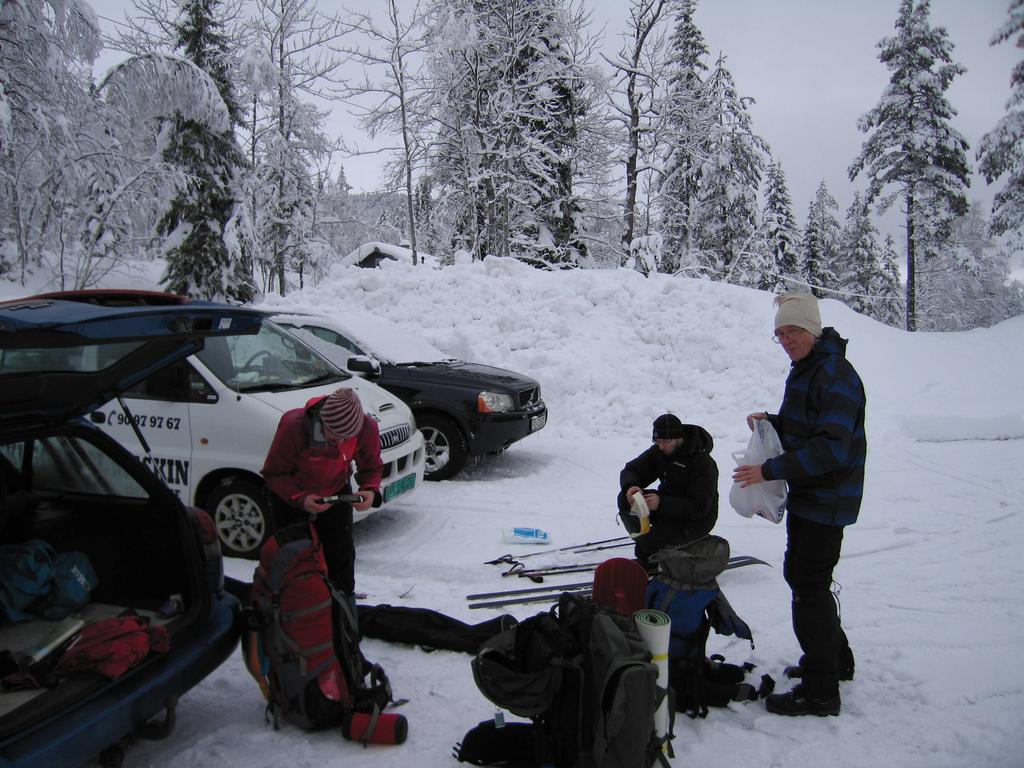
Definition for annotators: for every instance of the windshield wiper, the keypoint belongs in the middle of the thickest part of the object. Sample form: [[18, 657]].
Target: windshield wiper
[[325, 378], [269, 387]]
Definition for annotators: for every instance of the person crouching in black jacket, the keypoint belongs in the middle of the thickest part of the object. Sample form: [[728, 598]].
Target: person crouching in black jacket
[[684, 507]]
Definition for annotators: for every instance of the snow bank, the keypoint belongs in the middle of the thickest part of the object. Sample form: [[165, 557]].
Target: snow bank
[[613, 348]]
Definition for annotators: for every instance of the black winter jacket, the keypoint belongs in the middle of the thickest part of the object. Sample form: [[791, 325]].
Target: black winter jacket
[[688, 484]]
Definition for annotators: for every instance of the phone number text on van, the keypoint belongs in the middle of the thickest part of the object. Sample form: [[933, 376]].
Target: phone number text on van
[[143, 421]]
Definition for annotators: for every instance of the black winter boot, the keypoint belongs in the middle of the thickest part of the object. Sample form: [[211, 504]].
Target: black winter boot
[[795, 702], [846, 666]]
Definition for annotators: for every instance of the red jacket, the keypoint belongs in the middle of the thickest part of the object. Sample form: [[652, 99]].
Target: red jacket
[[296, 466]]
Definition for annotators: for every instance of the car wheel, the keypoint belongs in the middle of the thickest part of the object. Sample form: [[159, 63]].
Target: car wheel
[[444, 446], [239, 511]]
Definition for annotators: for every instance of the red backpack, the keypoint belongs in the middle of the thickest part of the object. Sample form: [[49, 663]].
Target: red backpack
[[301, 645]]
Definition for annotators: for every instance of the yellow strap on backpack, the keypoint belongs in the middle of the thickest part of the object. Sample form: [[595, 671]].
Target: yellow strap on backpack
[[252, 655]]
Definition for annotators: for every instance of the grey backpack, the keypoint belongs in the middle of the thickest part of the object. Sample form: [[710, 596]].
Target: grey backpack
[[585, 678]]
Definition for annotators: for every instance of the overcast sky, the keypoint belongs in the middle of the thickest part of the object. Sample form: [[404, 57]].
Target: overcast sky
[[812, 67]]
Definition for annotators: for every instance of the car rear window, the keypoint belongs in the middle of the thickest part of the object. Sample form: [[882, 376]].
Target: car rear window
[[88, 358], [66, 464]]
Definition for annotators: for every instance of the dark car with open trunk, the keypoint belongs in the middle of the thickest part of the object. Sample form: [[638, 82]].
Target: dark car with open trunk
[[67, 487]]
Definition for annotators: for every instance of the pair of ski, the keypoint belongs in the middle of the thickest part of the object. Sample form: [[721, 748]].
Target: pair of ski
[[537, 574], [589, 546], [620, 585], [610, 577]]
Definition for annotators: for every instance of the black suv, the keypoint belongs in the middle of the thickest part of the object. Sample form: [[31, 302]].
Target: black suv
[[463, 409]]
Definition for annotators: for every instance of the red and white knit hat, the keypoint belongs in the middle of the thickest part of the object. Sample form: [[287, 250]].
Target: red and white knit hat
[[342, 413]]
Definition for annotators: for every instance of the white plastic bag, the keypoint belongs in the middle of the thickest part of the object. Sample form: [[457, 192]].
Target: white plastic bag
[[767, 499]]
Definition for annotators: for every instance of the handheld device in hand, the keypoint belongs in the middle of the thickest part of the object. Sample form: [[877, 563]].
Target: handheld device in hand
[[351, 498]]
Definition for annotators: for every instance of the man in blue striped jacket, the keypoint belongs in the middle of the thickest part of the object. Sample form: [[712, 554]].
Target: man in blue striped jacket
[[821, 426]]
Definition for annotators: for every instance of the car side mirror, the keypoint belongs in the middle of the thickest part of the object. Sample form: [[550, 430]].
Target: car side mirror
[[362, 364]]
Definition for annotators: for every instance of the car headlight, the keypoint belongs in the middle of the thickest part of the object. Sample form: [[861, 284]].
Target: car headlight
[[412, 423], [494, 402]]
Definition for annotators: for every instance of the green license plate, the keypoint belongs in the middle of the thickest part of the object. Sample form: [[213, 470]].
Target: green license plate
[[399, 487]]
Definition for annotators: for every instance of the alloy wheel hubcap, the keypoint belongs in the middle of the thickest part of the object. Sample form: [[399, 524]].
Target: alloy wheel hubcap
[[436, 450], [239, 521]]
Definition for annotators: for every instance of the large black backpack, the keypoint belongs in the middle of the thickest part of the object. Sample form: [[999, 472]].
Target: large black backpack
[[584, 677]]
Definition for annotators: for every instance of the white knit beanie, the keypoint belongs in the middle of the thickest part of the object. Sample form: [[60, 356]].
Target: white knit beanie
[[799, 309]]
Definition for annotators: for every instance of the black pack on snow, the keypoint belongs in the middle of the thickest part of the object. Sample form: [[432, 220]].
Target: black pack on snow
[[301, 644], [501, 744], [585, 678], [431, 630], [686, 588]]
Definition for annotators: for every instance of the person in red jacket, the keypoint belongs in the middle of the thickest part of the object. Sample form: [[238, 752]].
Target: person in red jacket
[[311, 458]]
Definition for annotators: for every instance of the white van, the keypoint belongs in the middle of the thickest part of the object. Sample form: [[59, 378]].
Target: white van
[[209, 420]]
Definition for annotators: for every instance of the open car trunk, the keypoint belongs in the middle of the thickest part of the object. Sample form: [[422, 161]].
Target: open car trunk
[[79, 491]]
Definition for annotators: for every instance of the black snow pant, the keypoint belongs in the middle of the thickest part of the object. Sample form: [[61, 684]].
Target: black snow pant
[[812, 552], [664, 532], [334, 527]]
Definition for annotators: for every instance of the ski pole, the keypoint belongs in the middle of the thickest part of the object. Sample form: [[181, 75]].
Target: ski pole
[[509, 558], [598, 549], [538, 574], [519, 568]]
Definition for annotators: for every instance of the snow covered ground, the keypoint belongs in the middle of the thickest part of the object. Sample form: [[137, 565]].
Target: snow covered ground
[[930, 574]]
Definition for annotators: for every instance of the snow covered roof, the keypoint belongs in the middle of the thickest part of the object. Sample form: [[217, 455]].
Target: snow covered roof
[[371, 254], [383, 339]]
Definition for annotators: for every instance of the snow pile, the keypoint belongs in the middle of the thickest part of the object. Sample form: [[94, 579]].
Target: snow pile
[[613, 349], [602, 343]]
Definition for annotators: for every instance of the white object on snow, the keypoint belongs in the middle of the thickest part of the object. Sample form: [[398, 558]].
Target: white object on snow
[[525, 536]]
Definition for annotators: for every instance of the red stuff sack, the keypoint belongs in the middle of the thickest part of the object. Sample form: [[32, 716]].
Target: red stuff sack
[[112, 646]]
